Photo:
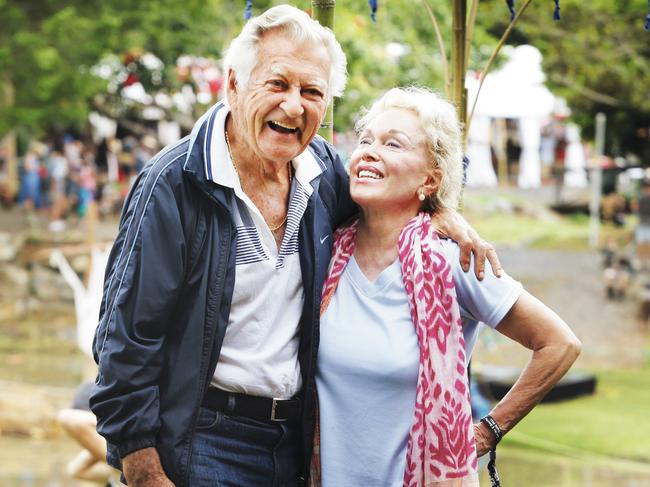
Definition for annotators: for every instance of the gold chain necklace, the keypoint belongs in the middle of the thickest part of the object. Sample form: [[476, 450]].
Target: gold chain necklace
[[234, 164]]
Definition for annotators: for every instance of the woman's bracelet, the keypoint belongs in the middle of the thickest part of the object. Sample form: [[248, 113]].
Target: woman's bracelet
[[494, 427], [492, 464]]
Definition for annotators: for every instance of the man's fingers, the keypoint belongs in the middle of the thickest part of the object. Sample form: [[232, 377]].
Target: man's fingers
[[465, 253], [493, 258], [480, 251]]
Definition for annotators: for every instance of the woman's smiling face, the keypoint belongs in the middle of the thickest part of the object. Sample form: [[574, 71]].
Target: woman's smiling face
[[391, 162]]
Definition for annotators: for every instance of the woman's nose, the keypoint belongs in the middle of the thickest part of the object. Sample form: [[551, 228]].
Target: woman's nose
[[369, 153]]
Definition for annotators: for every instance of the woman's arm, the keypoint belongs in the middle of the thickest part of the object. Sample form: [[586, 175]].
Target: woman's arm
[[554, 348]]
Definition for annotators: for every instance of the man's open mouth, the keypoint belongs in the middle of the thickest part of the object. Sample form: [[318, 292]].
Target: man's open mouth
[[283, 129]]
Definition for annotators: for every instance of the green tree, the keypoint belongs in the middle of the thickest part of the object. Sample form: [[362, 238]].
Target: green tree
[[596, 57], [48, 49]]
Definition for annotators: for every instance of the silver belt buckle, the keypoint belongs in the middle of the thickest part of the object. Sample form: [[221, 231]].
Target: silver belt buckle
[[273, 406]]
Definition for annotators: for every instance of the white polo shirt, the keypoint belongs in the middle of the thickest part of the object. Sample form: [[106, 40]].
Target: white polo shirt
[[259, 355]]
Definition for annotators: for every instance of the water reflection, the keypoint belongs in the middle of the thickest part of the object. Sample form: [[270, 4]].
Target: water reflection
[[522, 468], [40, 463]]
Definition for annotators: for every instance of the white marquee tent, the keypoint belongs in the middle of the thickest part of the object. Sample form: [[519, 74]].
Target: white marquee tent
[[516, 91]]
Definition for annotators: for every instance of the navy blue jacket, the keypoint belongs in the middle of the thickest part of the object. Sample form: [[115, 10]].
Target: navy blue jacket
[[167, 295]]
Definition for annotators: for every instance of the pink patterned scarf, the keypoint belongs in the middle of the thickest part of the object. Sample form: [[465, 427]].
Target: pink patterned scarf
[[441, 451]]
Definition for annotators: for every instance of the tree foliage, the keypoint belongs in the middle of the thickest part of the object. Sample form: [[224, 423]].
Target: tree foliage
[[597, 57], [48, 49]]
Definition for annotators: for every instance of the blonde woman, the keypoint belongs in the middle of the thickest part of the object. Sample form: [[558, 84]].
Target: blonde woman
[[399, 317]]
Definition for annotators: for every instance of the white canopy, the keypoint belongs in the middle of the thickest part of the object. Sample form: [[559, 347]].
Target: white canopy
[[514, 91]]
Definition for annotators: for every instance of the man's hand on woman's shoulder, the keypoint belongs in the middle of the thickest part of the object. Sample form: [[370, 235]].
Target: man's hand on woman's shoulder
[[451, 224]]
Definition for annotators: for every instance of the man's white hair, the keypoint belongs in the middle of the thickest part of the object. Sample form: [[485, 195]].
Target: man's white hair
[[242, 54], [442, 131]]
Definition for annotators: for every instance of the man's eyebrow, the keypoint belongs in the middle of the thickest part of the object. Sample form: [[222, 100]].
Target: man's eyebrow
[[321, 85], [317, 82], [278, 71]]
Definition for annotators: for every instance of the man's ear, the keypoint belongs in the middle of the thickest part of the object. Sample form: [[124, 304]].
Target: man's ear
[[231, 85]]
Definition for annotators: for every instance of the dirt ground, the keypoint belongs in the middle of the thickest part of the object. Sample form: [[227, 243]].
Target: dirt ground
[[571, 283]]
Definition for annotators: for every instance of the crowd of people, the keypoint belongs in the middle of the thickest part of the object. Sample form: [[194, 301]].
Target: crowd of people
[[63, 177]]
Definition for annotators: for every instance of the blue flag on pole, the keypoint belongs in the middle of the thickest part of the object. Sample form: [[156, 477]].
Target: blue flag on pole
[[556, 14], [511, 7], [373, 9]]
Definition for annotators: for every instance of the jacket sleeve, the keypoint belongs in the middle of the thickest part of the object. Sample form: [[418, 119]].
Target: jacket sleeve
[[144, 275], [344, 208]]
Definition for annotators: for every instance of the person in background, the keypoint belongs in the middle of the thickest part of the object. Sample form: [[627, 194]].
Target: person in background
[[399, 317], [58, 173], [87, 183], [29, 195], [90, 463]]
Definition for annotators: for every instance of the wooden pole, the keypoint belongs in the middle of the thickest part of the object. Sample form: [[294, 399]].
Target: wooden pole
[[502, 155], [323, 12], [458, 68], [596, 181], [9, 143]]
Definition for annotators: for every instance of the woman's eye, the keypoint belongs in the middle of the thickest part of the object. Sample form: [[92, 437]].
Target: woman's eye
[[364, 141], [276, 83], [393, 143]]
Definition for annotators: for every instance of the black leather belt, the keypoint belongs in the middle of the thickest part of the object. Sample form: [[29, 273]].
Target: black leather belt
[[255, 407]]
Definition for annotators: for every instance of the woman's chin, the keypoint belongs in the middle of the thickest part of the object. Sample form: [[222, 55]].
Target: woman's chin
[[367, 202]]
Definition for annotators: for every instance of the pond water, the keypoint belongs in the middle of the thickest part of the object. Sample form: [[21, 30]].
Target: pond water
[[537, 469]]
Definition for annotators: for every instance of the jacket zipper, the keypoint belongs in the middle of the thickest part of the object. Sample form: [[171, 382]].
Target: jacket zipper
[[220, 284]]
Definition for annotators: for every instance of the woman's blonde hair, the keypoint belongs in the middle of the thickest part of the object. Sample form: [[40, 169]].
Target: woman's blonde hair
[[443, 137]]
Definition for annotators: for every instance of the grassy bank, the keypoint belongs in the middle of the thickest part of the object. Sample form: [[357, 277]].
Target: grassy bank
[[513, 220], [610, 427]]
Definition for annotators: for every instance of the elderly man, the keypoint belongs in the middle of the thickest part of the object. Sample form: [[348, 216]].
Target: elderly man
[[209, 323]]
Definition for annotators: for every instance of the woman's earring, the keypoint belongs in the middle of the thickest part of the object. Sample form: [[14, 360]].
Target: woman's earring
[[421, 196]]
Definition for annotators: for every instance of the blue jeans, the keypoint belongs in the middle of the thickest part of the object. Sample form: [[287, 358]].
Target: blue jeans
[[235, 451]]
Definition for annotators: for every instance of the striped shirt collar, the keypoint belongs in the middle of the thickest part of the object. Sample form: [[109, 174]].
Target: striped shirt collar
[[219, 167]]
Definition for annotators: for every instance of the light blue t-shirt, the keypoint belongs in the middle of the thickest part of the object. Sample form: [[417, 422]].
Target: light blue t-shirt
[[368, 364]]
